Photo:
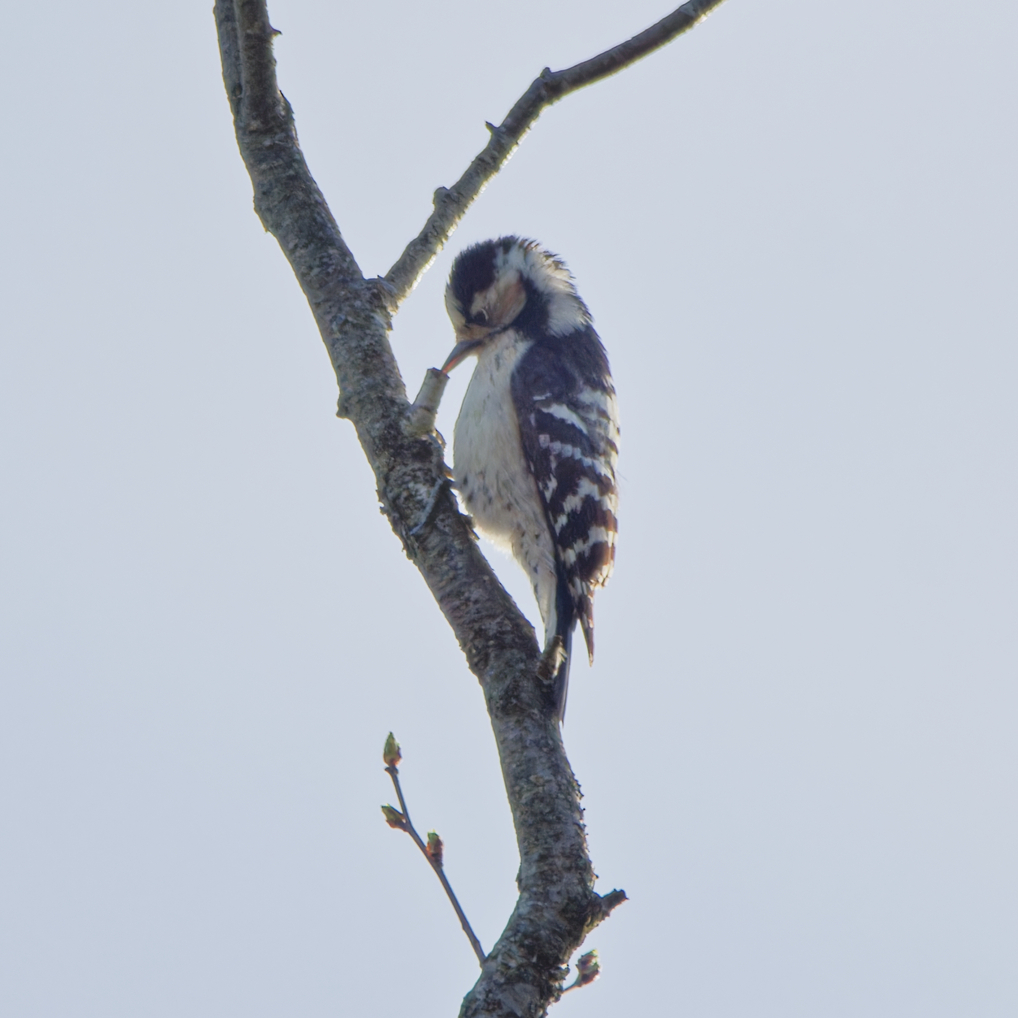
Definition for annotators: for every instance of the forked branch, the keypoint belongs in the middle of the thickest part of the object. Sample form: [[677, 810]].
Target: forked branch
[[432, 849], [557, 905]]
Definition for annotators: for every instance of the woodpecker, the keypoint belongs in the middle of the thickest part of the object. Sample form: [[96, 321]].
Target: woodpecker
[[537, 437]]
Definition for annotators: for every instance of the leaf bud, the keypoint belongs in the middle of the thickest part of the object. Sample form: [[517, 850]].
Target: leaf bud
[[435, 848], [391, 754], [588, 968], [394, 818]]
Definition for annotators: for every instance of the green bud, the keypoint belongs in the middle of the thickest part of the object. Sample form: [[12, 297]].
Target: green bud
[[394, 818], [391, 754], [435, 848], [588, 968]]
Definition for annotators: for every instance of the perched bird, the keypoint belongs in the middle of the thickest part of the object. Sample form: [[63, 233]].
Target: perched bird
[[536, 440]]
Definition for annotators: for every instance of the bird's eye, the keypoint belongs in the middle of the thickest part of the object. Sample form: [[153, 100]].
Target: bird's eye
[[482, 317]]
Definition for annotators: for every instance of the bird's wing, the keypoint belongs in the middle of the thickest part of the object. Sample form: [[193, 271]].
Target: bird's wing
[[569, 432]]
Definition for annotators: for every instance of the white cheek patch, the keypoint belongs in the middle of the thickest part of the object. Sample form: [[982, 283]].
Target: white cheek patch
[[501, 302]]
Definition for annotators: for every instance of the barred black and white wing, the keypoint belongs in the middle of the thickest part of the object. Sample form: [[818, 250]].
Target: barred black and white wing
[[569, 432]]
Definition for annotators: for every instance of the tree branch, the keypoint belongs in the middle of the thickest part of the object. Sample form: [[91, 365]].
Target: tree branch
[[404, 823], [557, 905], [547, 88]]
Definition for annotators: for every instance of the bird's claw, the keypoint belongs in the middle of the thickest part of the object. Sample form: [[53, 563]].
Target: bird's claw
[[552, 659]]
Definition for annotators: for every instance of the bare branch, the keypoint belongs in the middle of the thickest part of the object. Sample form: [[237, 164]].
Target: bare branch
[[260, 98], [557, 906], [547, 88], [287, 199]]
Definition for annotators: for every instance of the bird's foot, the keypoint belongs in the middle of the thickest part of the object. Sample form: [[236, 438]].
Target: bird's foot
[[429, 507], [552, 659]]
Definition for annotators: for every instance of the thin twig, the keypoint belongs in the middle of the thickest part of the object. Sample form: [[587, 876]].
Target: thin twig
[[547, 88], [408, 826]]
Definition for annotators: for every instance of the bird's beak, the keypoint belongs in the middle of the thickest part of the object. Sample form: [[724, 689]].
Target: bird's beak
[[459, 351]]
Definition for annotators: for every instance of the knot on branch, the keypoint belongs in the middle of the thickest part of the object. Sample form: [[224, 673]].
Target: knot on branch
[[420, 415], [601, 907], [383, 294]]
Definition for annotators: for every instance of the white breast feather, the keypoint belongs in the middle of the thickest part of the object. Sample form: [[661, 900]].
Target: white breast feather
[[494, 480]]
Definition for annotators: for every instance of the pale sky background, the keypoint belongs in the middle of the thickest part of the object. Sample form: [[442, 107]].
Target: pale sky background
[[796, 227]]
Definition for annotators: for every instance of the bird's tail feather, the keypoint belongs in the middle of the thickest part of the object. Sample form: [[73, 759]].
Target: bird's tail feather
[[561, 689], [565, 612]]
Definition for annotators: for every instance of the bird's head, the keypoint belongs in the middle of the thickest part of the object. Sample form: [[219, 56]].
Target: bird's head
[[504, 283]]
